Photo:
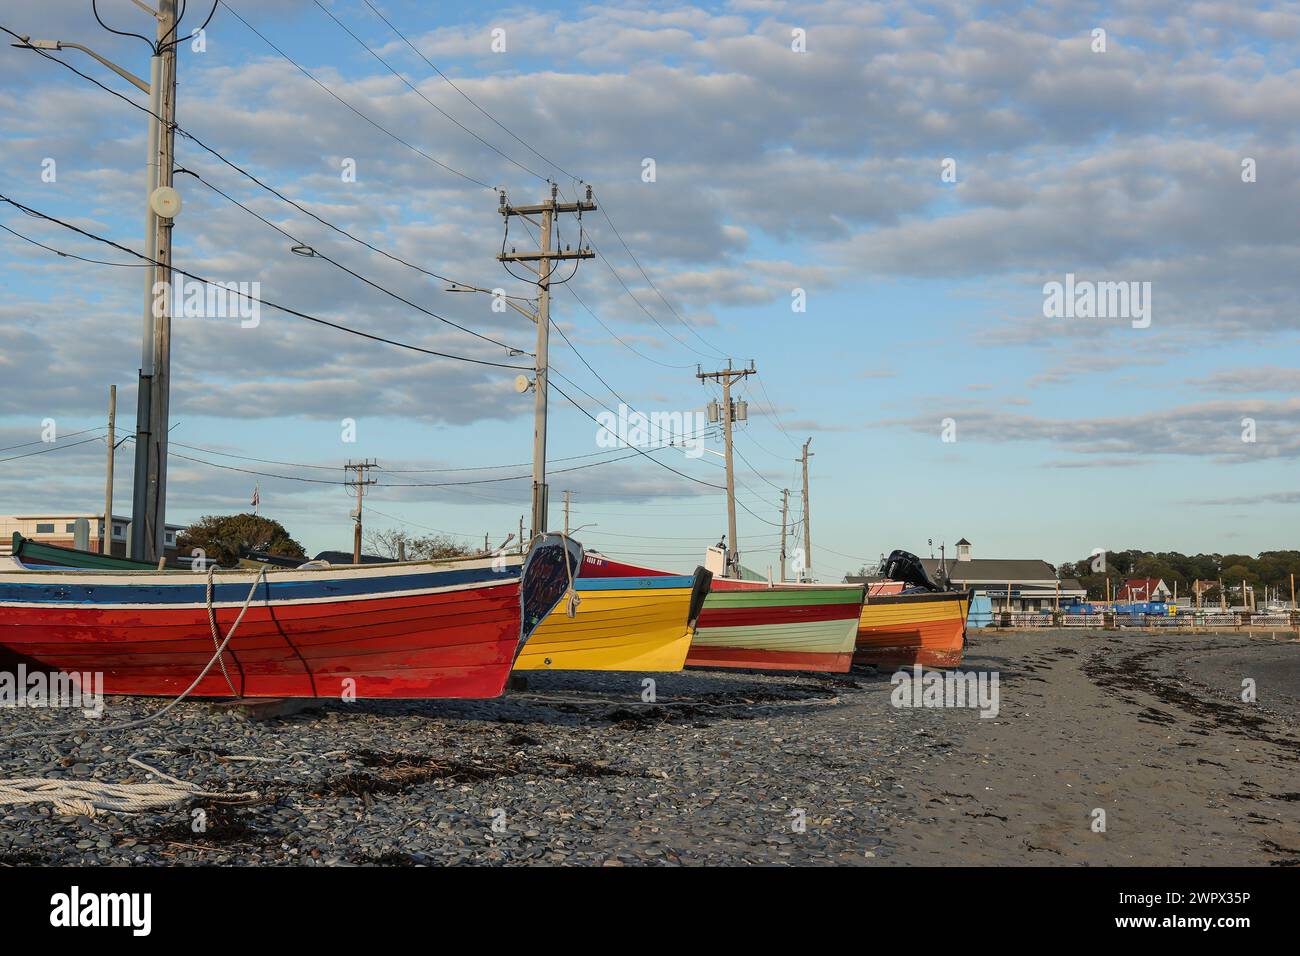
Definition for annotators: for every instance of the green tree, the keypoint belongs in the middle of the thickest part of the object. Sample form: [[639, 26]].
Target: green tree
[[223, 537]]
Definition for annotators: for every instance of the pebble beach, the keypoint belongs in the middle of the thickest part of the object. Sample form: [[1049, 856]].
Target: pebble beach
[[732, 768]]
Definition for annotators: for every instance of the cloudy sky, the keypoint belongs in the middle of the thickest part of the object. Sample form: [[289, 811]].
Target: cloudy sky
[[919, 170]]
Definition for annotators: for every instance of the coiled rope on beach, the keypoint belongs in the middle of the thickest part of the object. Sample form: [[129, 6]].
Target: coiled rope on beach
[[87, 797]]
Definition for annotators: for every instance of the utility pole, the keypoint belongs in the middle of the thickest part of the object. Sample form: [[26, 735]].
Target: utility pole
[[566, 512], [106, 537], [545, 258], [361, 468], [149, 493], [726, 376], [521, 534], [785, 510], [807, 532], [149, 485]]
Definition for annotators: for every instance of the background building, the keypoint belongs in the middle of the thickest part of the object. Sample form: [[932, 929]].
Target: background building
[[60, 530], [1015, 584], [1144, 589]]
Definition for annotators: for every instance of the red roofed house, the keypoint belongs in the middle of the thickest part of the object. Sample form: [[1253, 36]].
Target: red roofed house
[[1144, 589]]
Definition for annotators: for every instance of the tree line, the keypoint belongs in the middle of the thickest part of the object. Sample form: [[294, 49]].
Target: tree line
[[1271, 569]]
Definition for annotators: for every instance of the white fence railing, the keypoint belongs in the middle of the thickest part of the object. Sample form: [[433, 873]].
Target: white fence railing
[[1082, 620], [1030, 620], [1184, 619]]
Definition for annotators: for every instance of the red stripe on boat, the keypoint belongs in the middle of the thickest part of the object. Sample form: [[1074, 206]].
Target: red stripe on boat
[[777, 614]]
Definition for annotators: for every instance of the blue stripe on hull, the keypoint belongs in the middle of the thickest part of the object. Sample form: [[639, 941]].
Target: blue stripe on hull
[[195, 594], [634, 584]]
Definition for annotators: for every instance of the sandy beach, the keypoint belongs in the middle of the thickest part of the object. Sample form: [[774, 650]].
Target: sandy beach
[[725, 768]]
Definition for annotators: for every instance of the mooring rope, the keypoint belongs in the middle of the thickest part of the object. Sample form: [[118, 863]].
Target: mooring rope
[[216, 633]]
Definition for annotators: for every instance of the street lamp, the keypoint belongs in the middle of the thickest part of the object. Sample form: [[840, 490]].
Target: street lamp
[[30, 44]]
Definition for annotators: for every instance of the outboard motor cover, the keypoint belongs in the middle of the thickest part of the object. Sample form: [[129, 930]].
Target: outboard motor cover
[[907, 567]]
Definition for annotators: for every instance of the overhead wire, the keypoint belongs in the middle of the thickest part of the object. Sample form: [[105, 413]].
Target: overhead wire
[[421, 95], [258, 299], [466, 96], [315, 253], [307, 73]]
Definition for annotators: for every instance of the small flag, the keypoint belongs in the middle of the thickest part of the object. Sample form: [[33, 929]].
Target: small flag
[[257, 496]]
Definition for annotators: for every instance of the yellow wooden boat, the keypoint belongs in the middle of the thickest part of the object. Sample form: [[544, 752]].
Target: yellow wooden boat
[[619, 624]]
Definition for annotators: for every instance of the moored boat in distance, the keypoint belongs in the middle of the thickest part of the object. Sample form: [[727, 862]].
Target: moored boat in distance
[[413, 630], [624, 623]]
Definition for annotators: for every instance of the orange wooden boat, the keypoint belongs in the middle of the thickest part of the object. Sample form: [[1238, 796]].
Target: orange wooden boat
[[926, 628]]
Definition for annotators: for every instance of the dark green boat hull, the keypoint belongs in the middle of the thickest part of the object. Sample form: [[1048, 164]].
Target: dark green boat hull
[[34, 552]]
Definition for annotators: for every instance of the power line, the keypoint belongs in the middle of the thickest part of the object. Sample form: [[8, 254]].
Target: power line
[[387, 132], [28, 444], [315, 254], [519, 139], [632, 295], [186, 134], [468, 99], [69, 255], [267, 302], [753, 469], [422, 527], [414, 90], [650, 281], [46, 451], [260, 474], [639, 451], [382, 484], [776, 418], [620, 341]]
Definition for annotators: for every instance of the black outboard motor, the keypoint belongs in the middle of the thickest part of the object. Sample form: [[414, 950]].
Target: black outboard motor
[[907, 567]]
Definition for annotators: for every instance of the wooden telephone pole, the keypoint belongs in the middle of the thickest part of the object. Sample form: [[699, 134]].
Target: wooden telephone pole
[[149, 492], [361, 482], [106, 537], [566, 512], [726, 376], [785, 511], [807, 532], [544, 257]]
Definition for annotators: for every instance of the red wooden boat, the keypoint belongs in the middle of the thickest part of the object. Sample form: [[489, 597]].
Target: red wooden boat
[[415, 630]]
